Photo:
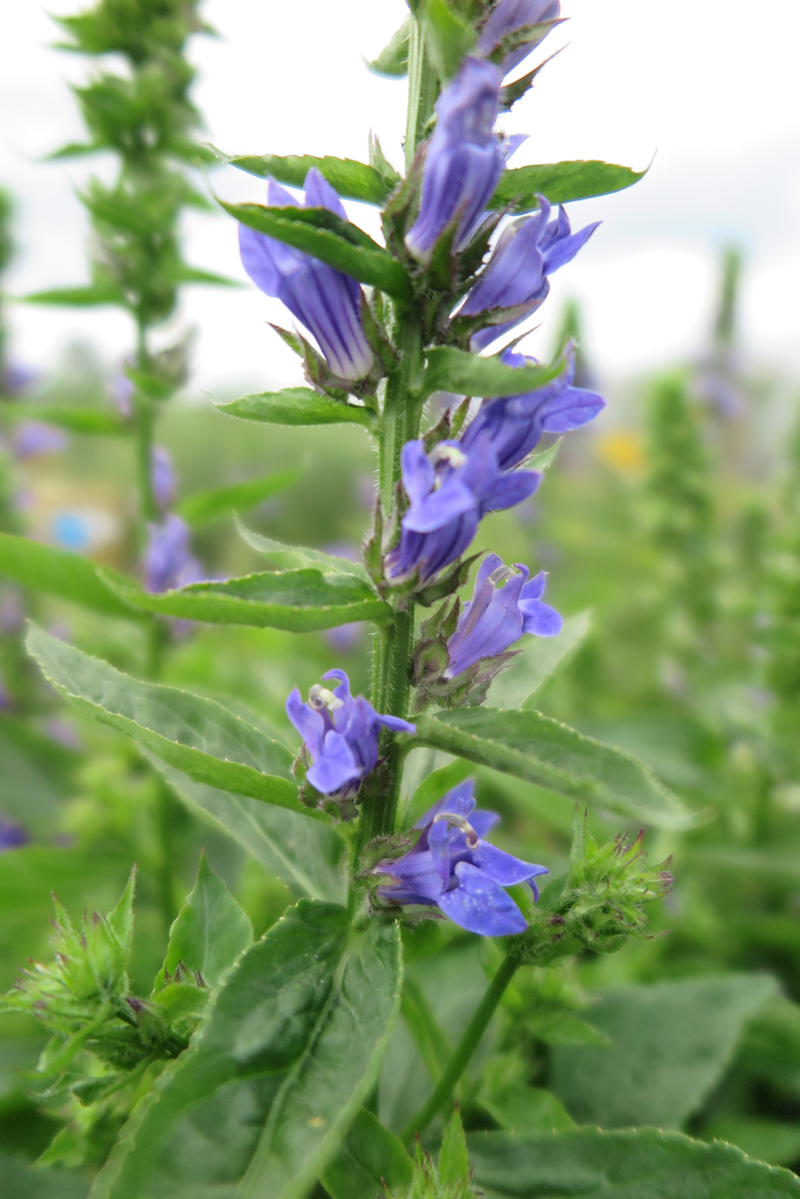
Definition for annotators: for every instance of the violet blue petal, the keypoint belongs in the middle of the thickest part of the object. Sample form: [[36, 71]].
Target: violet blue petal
[[480, 905], [308, 723], [503, 867], [335, 767]]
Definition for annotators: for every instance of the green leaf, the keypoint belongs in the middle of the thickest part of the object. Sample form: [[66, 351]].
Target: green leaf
[[184, 273], [150, 385], [342, 245], [206, 506], [392, 62], [196, 735], [210, 931], [370, 1155], [670, 1045], [525, 1110], [451, 369], [297, 600], [587, 1163], [76, 420], [305, 854], [434, 786], [277, 1071], [89, 296], [73, 150], [20, 1179], [453, 1159], [298, 557], [766, 1140], [448, 37], [352, 180], [61, 573], [561, 182], [544, 751], [537, 661], [298, 406]]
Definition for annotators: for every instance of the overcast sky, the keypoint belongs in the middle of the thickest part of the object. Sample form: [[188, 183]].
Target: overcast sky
[[712, 89]]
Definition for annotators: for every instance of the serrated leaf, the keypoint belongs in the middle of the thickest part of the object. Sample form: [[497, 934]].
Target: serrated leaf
[[588, 1163], [89, 296], [297, 406], [538, 660], [296, 600], [291, 1045], [288, 557], [209, 933], [61, 573], [544, 751], [75, 420], [327, 237], [352, 180], [453, 1159], [206, 506], [369, 1157], [561, 182], [392, 62], [451, 369], [198, 736], [448, 37]]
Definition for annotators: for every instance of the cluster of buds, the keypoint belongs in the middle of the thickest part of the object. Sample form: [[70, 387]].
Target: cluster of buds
[[448, 1178]]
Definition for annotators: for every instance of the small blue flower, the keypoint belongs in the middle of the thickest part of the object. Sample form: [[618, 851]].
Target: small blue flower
[[33, 439], [341, 733], [504, 606], [463, 161], [513, 425], [162, 477], [450, 490], [326, 301], [454, 868], [12, 836], [516, 276], [507, 17], [168, 560]]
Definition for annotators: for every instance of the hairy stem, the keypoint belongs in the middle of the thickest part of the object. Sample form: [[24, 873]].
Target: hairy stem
[[465, 1049], [144, 417], [423, 88]]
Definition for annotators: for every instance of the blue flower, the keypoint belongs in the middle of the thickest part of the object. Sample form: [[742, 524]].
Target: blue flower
[[463, 161], [168, 560], [516, 276], [326, 301], [509, 16], [12, 836], [162, 477], [504, 606], [33, 439], [454, 868], [450, 490], [513, 425], [341, 734]]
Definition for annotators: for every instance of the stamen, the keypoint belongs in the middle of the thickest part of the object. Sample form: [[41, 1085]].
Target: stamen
[[456, 821], [320, 697], [449, 453]]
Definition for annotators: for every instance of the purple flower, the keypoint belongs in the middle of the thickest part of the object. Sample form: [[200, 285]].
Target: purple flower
[[326, 301], [168, 560], [463, 161], [529, 250], [513, 425], [341, 735], [122, 393], [32, 439], [504, 606], [453, 867], [12, 836], [162, 477], [507, 17], [450, 490], [18, 378]]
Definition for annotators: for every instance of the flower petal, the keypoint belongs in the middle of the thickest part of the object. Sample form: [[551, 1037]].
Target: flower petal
[[503, 867], [335, 766], [540, 619], [480, 905], [308, 723]]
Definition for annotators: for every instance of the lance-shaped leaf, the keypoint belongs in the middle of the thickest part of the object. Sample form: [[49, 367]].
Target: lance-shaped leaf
[[392, 62], [75, 420], [61, 573], [352, 180], [537, 660], [451, 369], [90, 296], [544, 751], [196, 735], [298, 406], [586, 1163], [325, 236], [289, 557], [276, 1073], [296, 600], [206, 506], [561, 182]]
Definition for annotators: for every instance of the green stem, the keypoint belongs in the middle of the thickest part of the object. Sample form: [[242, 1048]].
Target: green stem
[[144, 416], [465, 1049], [423, 88]]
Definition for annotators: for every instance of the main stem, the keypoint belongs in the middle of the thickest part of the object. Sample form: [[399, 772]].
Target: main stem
[[466, 1047]]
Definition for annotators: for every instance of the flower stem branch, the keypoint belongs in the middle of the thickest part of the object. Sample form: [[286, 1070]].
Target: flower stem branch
[[466, 1047]]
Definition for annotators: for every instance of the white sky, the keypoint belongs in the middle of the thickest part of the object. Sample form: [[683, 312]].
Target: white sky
[[712, 87]]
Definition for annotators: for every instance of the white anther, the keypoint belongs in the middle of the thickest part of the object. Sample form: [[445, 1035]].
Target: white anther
[[320, 697], [456, 821]]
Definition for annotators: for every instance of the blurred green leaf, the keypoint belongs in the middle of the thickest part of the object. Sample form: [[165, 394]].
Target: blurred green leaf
[[451, 369], [198, 736], [434, 786], [544, 751], [297, 406], [327, 237], [150, 385], [78, 297], [296, 600], [210, 931], [770, 1141], [587, 1163], [61, 573], [352, 180], [670, 1044], [299, 557], [76, 420], [289, 1052], [524, 1110], [206, 506], [369, 1157], [561, 182], [537, 660], [392, 61], [20, 1179], [448, 37], [183, 273]]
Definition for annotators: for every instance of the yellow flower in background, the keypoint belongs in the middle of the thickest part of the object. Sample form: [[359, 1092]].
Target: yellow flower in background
[[622, 449]]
